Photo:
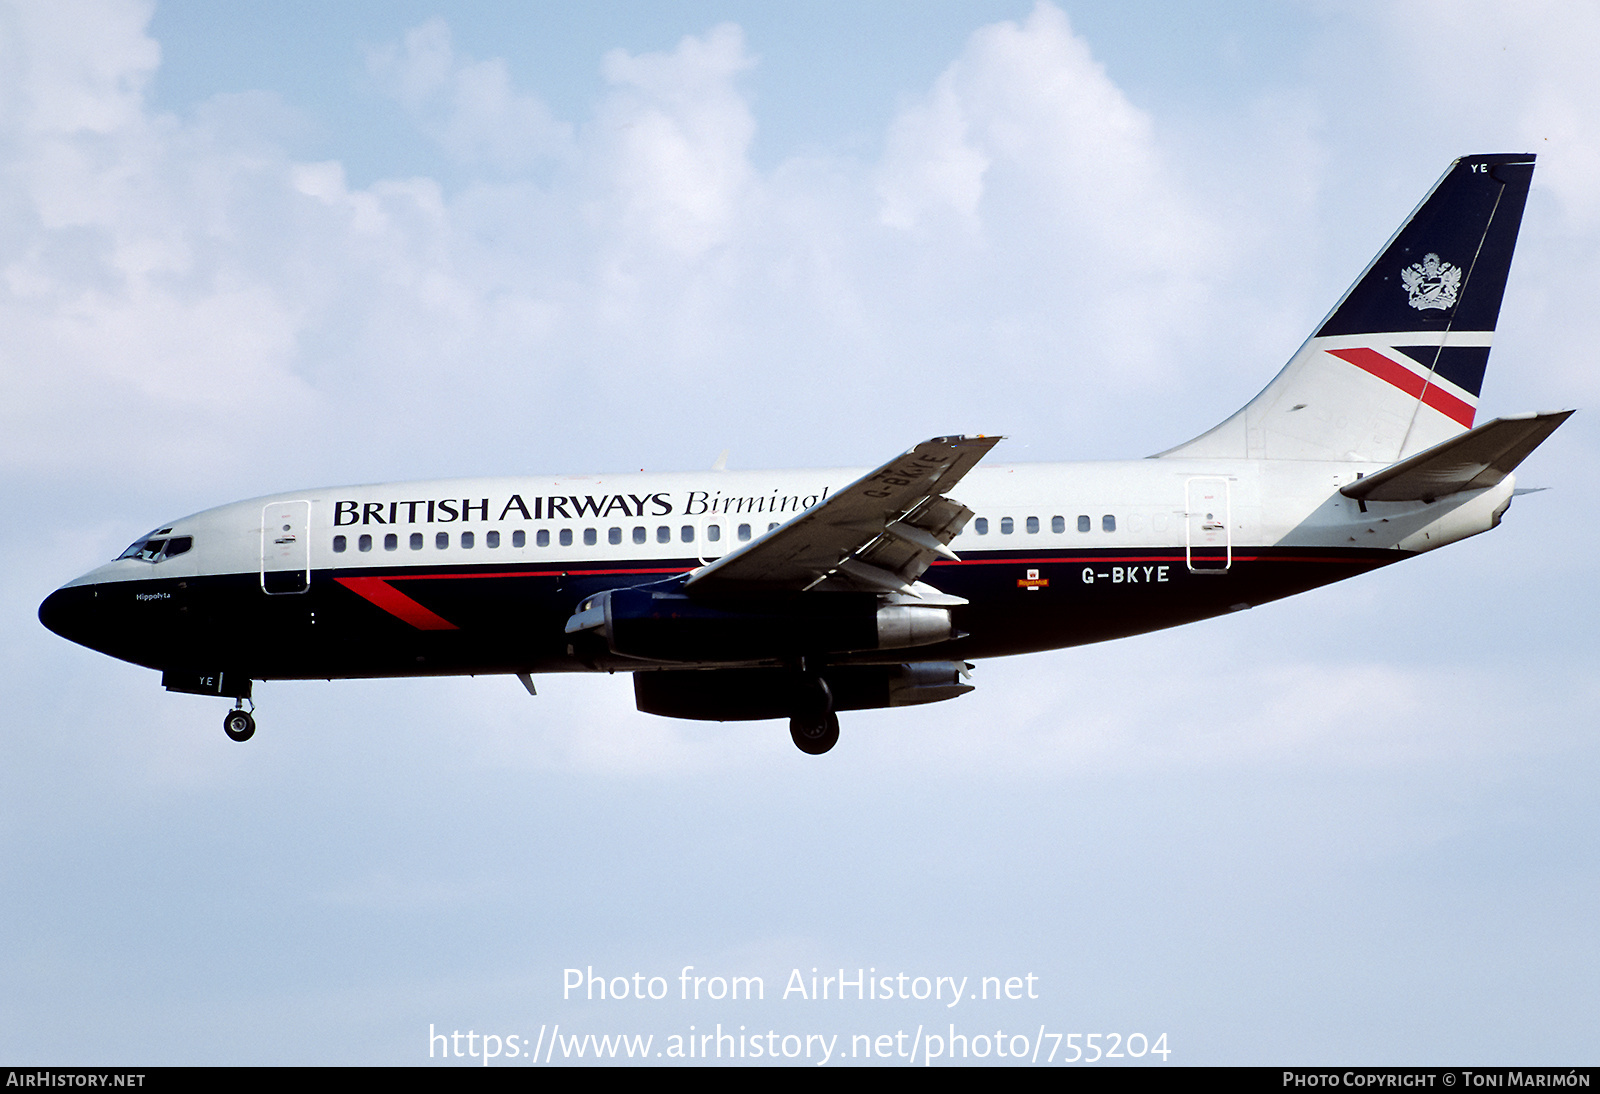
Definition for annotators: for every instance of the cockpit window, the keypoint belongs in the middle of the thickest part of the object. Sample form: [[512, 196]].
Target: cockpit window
[[154, 548], [136, 546]]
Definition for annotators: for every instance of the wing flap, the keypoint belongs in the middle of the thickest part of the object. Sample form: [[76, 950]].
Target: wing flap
[[889, 526], [1474, 460]]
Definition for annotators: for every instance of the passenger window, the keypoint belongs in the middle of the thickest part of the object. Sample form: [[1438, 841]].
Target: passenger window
[[590, 537], [1108, 523], [364, 543], [391, 542], [1006, 526], [771, 526], [416, 541], [338, 545], [614, 536], [491, 539], [663, 534], [518, 538], [714, 533], [981, 526], [1083, 522], [1033, 526], [744, 531], [566, 537], [1058, 525], [467, 540], [688, 533], [639, 534], [543, 538]]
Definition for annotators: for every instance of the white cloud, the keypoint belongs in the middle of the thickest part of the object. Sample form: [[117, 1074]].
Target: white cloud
[[468, 106], [1524, 77], [672, 142], [1030, 102], [75, 67], [641, 251], [931, 163], [1025, 143], [126, 311]]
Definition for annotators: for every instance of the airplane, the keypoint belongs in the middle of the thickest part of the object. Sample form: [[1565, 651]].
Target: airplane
[[750, 595]]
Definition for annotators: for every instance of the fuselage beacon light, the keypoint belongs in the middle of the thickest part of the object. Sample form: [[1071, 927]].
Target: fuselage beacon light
[[798, 594]]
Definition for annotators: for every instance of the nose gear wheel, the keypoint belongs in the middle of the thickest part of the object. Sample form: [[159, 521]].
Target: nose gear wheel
[[239, 724]]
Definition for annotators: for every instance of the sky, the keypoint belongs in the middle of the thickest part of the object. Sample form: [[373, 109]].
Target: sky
[[247, 250]]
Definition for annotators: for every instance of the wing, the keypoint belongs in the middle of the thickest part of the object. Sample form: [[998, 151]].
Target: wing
[[876, 535]]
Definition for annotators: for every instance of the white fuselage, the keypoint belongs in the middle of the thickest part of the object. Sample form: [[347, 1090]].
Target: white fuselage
[[620, 520]]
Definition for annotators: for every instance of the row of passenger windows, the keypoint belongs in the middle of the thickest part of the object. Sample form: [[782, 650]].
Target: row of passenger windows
[[541, 538], [663, 534], [1058, 525]]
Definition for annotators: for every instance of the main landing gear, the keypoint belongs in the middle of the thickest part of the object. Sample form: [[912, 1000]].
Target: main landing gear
[[240, 724], [814, 726], [812, 736]]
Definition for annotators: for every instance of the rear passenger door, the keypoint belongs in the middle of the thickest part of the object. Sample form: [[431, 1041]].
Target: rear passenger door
[[1209, 526]]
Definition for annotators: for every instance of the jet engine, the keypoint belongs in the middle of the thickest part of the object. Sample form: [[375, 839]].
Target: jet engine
[[643, 624], [735, 695]]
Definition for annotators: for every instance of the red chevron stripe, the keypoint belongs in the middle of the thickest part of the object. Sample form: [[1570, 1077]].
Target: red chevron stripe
[[396, 603], [1370, 360]]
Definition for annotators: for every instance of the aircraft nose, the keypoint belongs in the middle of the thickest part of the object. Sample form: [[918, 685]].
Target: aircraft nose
[[70, 612]]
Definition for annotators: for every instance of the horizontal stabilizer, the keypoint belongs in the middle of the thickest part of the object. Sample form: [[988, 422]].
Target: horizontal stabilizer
[[1476, 459]]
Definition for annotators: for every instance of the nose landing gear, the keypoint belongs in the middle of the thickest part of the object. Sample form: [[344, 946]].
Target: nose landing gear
[[240, 724]]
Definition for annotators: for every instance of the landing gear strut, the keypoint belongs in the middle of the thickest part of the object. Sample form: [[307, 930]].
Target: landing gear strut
[[814, 726], [240, 724]]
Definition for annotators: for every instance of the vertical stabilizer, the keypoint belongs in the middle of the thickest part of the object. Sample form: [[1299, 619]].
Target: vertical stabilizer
[[1397, 366]]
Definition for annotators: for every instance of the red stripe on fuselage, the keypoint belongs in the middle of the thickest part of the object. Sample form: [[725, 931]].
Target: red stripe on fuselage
[[1370, 360], [396, 603], [535, 573], [378, 591]]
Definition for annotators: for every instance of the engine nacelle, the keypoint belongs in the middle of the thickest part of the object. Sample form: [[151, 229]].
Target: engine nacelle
[[903, 625], [654, 625], [1461, 515], [736, 695]]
